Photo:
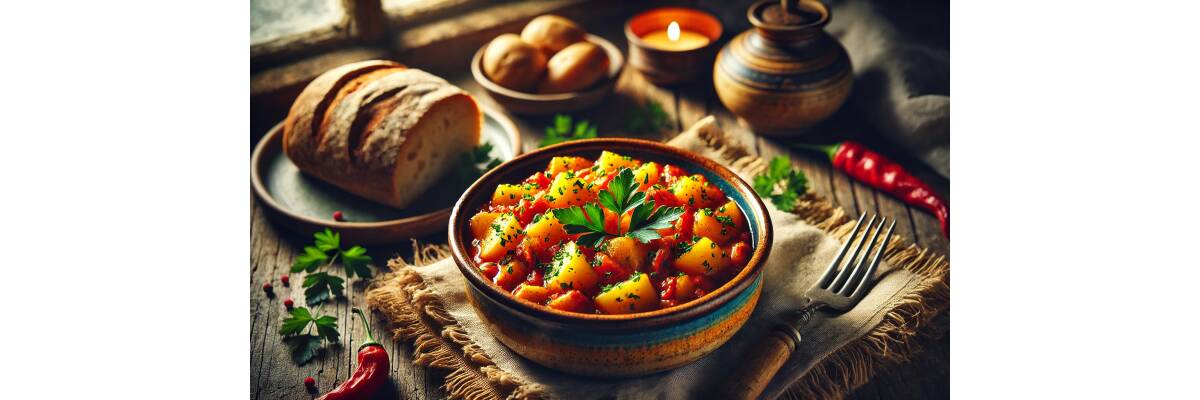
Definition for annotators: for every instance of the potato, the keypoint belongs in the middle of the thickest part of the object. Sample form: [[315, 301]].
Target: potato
[[627, 251], [511, 274], [685, 289], [552, 33], [704, 258], [721, 224], [574, 68], [510, 195], [481, 224], [513, 63], [502, 238], [695, 191], [564, 164], [646, 175], [635, 294], [567, 190], [536, 294], [613, 162], [544, 232], [571, 270]]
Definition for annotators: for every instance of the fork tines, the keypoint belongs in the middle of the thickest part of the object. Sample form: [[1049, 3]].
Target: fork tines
[[852, 276]]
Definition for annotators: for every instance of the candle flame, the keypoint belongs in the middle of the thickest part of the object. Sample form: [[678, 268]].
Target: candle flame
[[673, 31]]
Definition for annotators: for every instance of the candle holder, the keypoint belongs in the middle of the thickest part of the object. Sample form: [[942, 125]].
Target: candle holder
[[666, 63]]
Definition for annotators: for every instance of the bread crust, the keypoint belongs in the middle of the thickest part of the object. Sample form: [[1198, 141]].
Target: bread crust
[[350, 126]]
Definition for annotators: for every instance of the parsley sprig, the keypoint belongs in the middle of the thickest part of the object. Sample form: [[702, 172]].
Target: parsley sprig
[[650, 118], [473, 164], [782, 184], [327, 249], [297, 332], [621, 197], [564, 131]]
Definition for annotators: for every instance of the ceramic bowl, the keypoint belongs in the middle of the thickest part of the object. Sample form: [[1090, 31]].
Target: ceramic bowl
[[614, 345], [541, 103]]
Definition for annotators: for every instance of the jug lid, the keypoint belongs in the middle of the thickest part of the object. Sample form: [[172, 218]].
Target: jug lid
[[788, 15]]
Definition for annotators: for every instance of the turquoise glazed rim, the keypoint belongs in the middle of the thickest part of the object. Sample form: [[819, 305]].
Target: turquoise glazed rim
[[521, 167]]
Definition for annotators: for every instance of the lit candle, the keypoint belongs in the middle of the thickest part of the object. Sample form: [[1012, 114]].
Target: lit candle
[[675, 39]]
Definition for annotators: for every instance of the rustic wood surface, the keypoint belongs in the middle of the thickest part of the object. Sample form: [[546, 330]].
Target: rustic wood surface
[[275, 376]]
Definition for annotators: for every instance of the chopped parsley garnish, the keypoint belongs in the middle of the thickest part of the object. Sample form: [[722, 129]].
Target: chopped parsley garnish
[[621, 197], [782, 184], [564, 131]]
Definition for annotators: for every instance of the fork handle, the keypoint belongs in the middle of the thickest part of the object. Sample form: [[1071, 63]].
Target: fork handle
[[754, 371]]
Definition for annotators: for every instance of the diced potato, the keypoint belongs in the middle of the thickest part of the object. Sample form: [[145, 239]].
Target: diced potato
[[570, 270], [704, 258], [635, 294], [685, 289], [511, 274], [536, 294], [572, 300], [646, 175], [502, 238], [507, 195], [697, 192], [610, 161], [544, 232], [481, 224], [569, 190], [564, 164], [721, 224], [628, 252]]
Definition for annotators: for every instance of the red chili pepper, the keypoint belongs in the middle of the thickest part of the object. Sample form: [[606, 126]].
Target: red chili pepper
[[881, 173], [372, 373]]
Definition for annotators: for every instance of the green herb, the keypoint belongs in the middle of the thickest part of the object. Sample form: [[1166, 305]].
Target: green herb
[[563, 131], [297, 332], [621, 197], [473, 164], [782, 184], [651, 118], [327, 249]]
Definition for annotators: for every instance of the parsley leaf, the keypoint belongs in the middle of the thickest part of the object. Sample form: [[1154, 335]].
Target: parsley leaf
[[648, 119], [791, 183], [321, 287], [621, 197], [468, 168], [564, 131], [303, 348], [310, 260], [355, 261], [327, 240]]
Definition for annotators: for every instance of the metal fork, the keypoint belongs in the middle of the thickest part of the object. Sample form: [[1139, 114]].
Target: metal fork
[[845, 282]]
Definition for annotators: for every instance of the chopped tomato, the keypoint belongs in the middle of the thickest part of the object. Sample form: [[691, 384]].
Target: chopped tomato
[[664, 198], [659, 262], [536, 277], [489, 269], [571, 300], [610, 270], [526, 209], [668, 288], [739, 253], [539, 179], [671, 173]]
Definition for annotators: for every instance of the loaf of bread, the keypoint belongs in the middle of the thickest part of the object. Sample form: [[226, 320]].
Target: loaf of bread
[[552, 33], [380, 130], [512, 63]]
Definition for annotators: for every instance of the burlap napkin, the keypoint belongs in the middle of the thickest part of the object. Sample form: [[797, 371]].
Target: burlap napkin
[[425, 302]]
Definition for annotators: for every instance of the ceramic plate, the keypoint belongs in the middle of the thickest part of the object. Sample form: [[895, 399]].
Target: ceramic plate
[[305, 204]]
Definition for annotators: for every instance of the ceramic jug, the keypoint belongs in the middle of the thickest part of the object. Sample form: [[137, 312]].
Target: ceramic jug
[[786, 74]]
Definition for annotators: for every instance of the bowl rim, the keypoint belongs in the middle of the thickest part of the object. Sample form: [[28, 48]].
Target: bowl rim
[[708, 303], [615, 57]]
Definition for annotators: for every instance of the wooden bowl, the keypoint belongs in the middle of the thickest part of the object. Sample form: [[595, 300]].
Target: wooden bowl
[[538, 103], [614, 345]]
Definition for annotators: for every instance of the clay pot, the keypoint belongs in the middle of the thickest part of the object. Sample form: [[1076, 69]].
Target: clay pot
[[786, 74]]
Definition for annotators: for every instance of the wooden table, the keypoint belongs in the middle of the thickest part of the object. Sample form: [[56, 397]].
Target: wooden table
[[275, 376]]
